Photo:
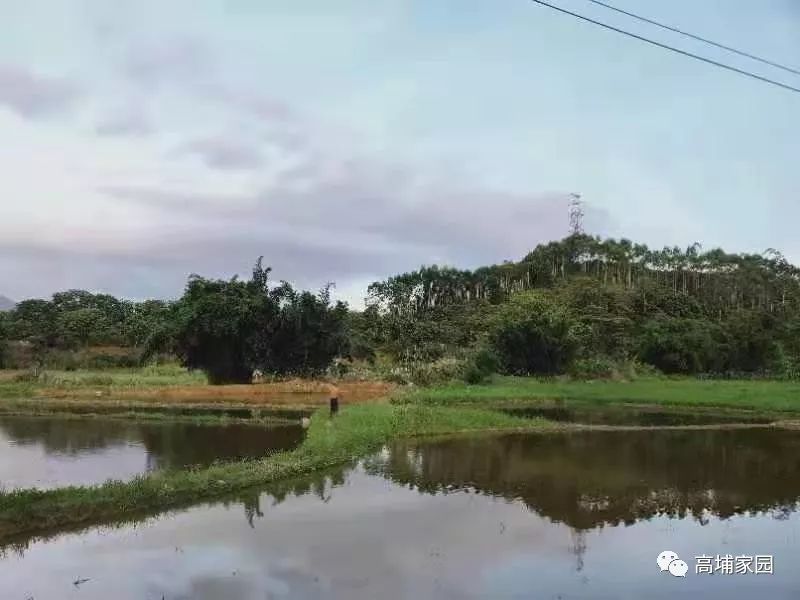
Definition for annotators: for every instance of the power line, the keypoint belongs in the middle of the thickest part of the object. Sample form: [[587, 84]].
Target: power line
[[671, 48], [697, 37]]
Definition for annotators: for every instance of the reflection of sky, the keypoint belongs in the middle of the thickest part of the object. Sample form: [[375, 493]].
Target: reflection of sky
[[48, 452], [29, 464], [374, 539]]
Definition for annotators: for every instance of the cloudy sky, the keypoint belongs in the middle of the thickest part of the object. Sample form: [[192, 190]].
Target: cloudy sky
[[349, 140]]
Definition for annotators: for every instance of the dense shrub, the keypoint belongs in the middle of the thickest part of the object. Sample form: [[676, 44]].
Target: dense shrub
[[598, 367], [425, 372], [679, 345], [228, 329], [481, 365], [532, 334]]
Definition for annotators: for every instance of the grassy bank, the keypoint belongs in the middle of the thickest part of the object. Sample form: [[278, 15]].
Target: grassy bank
[[357, 431], [214, 412], [171, 386], [19, 384], [766, 395]]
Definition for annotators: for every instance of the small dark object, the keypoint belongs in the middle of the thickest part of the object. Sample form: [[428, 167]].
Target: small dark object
[[334, 405], [79, 581]]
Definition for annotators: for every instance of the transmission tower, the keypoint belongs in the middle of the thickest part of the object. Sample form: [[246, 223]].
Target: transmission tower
[[575, 215]]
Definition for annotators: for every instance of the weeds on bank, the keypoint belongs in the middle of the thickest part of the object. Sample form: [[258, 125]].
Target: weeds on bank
[[355, 432]]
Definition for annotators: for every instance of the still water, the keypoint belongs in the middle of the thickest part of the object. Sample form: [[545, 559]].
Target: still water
[[48, 452], [575, 412], [568, 515]]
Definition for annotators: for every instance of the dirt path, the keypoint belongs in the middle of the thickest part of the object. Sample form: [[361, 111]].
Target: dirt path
[[295, 392]]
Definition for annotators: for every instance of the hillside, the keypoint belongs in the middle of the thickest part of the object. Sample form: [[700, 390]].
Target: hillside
[[682, 311], [719, 282]]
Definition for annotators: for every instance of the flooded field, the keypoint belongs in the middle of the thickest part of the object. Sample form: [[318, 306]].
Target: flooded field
[[567, 412], [566, 515], [47, 452]]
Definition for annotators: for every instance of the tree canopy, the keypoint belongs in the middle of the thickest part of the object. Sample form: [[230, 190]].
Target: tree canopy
[[229, 328], [580, 298], [683, 311]]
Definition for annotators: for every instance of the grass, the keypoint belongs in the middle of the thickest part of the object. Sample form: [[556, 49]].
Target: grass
[[151, 410], [216, 418], [358, 430], [766, 395], [20, 384], [172, 385], [355, 432]]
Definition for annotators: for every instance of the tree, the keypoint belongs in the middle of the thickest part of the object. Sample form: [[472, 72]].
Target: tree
[[218, 326], [4, 338], [682, 345], [307, 333], [82, 327], [34, 319], [752, 340], [144, 318], [533, 334], [604, 313], [230, 328]]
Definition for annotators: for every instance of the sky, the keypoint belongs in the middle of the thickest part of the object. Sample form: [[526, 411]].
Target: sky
[[350, 141]]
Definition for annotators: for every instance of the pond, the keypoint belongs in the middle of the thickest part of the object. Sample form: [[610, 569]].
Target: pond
[[566, 515], [639, 416], [47, 452]]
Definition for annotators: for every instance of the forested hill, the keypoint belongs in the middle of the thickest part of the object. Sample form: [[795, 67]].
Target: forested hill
[[567, 304], [716, 281], [587, 299]]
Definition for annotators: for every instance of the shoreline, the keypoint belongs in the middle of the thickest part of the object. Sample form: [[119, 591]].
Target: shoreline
[[354, 433], [362, 426]]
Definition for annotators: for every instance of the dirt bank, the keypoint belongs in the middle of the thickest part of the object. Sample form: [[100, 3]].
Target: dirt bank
[[293, 392]]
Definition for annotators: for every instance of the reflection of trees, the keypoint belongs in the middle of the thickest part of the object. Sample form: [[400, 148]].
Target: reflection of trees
[[575, 412], [177, 445], [319, 484], [67, 436], [168, 444], [590, 479]]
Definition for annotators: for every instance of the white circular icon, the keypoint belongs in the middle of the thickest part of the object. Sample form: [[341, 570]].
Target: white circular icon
[[666, 557], [670, 561], [678, 568]]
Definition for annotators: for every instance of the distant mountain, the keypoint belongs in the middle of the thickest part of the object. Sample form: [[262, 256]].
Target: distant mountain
[[6, 303]]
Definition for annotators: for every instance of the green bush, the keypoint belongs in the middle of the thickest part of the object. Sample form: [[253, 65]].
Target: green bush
[[680, 345], [597, 367], [480, 366], [425, 373], [110, 361], [533, 334]]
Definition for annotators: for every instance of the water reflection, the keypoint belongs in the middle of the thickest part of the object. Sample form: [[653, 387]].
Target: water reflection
[[557, 516], [591, 479], [566, 412], [48, 452]]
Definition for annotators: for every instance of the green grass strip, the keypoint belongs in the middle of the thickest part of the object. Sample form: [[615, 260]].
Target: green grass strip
[[764, 395], [355, 432]]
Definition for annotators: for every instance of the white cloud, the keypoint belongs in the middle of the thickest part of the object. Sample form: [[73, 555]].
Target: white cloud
[[32, 96]]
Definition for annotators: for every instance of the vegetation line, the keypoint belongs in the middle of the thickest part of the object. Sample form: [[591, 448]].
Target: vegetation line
[[357, 431], [759, 396], [148, 417]]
